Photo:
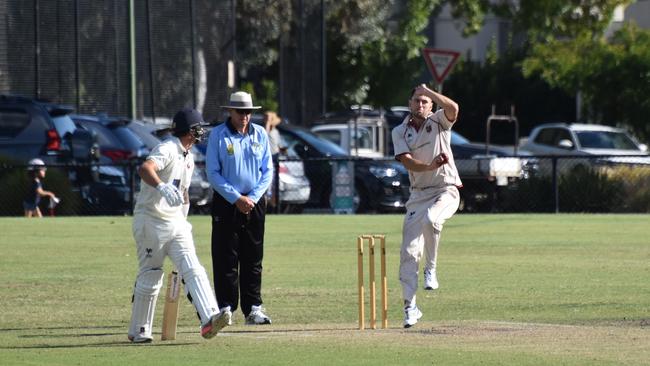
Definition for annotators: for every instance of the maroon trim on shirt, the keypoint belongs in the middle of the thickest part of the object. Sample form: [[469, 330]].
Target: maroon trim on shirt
[[415, 127]]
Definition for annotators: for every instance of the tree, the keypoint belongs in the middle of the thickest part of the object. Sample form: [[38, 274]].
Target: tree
[[499, 81], [351, 26], [613, 75], [541, 19], [394, 62]]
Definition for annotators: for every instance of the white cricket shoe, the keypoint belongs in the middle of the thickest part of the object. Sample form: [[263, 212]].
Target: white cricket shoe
[[216, 323], [411, 316], [140, 338], [257, 316], [430, 279], [227, 309]]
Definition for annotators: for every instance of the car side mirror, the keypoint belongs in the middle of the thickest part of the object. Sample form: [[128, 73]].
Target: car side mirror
[[565, 144], [643, 147]]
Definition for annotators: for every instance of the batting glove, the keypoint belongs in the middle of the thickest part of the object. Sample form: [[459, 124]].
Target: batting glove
[[172, 195]]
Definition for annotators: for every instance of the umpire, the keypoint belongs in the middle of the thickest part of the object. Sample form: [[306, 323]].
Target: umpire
[[240, 170]]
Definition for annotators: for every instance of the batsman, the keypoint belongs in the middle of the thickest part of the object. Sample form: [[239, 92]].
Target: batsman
[[422, 144], [161, 229]]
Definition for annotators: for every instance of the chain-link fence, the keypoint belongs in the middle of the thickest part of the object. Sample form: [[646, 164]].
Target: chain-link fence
[[544, 184], [83, 53], [79, 52]]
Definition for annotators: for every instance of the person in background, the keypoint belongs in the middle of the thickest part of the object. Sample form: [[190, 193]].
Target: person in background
[[271, 120], [36, 171], [240, 169]]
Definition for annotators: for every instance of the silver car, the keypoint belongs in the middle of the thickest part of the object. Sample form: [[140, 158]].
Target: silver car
[[599, 144]]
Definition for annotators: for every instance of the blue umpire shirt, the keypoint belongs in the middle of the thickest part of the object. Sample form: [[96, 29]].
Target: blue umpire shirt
[[239, 164]]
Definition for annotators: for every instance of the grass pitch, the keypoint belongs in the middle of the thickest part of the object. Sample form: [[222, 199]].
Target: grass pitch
[[515, 290]]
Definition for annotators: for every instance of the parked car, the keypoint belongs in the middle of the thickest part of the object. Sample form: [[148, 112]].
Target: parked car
[[358, 131], [582, 139], [294, 188], [31, 128], [119, 147], [35, 129], [147, 132], [117, 142], [600, 145], [380, 185]]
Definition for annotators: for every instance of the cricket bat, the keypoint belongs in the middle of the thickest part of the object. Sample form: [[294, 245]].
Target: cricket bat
[[170, 313]]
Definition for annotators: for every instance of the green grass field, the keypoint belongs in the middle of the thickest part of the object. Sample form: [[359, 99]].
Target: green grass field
[[515, 290]]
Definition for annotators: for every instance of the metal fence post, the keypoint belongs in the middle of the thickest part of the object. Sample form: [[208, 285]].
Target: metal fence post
[[276, 185], [132, 173], [556, 190]]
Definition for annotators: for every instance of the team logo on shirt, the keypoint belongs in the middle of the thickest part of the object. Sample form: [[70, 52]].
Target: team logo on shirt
[[230, 149], [428, 129]]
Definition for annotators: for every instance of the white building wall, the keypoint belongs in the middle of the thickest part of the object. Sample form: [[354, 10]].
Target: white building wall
[[639, 12], [448, 34], [445, 32]]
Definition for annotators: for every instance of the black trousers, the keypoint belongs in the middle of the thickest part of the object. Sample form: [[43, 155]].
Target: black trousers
[[237, 252]]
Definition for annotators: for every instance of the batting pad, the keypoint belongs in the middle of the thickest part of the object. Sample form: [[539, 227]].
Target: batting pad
[[145, 294], [198, 290]]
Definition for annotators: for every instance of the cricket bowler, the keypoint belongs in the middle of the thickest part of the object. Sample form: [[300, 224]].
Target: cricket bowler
[[422, 144]]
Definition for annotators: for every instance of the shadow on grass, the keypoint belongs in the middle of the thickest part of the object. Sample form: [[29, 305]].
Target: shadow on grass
[[77, 332], [94, 345]]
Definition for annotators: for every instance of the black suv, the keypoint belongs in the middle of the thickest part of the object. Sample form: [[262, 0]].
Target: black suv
[[31, 128], [34, 129], [380, 185]]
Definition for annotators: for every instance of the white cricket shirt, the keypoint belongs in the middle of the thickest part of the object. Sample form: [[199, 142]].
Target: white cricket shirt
[[174, 165], [432, 139]]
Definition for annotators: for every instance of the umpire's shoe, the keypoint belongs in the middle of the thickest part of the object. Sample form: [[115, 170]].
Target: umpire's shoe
[[216, 323], [257, 316]]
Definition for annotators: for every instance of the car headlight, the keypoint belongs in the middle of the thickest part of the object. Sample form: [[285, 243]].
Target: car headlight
[[383, 172]]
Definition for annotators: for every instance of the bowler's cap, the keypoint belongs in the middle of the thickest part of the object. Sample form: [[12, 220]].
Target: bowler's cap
[[185, 119], [240, 100]]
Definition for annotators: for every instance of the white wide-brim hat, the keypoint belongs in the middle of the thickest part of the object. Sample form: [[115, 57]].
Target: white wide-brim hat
[[241, 100]]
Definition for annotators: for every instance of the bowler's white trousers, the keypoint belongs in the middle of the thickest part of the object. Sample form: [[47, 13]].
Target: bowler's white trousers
[[155, 239], [426, 212]]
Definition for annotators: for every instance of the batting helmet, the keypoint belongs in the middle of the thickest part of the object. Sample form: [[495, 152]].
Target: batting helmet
[[185, 119]]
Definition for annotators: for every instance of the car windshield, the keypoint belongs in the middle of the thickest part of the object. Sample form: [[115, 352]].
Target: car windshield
[[104, 137], [128, 138], [605, 140], [324, 146], [64, 125]]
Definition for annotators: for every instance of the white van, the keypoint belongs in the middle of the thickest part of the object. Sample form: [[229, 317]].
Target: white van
[[359, 136]]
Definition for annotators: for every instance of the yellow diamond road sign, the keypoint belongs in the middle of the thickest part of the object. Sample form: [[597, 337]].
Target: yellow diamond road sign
[[440, 62]]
